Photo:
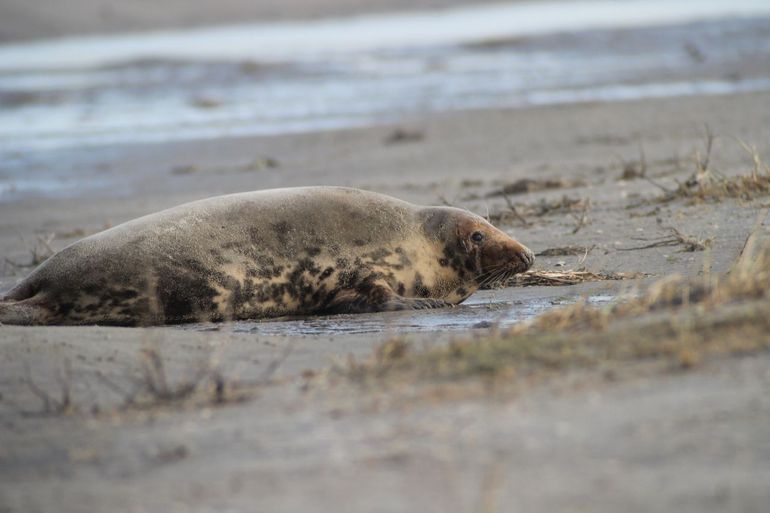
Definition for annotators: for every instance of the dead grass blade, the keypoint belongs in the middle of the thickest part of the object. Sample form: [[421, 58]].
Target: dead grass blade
[[535, 278], [565, 251], [677, 238], [525, 185]]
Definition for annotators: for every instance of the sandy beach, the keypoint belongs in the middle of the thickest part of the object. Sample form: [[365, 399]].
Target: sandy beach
[[642, 435]]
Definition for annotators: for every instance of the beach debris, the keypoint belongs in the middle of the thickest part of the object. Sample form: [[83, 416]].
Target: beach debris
[[522, 211], [514, 212], [637, 169], [75, 233], [259, 163], [564, 251], [39, 252], [205, 102], [204, 385], [495, 43], [52, 406], [251, 67], [633, 169], [564, 204], [694, 52], [533, 185], [401, 135], [186, 169], [581, 217], [675, 238], [707, 184], [537, 277]]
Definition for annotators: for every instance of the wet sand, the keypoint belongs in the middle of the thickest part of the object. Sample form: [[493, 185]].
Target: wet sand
[[687, 441]]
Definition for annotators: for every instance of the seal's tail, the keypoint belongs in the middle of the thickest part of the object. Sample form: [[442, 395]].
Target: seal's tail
[[20, 312]]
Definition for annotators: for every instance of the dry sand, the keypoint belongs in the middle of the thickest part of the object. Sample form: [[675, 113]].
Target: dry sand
[[684, 441]]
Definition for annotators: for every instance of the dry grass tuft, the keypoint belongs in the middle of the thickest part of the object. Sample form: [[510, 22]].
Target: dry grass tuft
[[535, 278], [526, 185], [39, 251], [749, 279], [53, 406], [522, 212], [393, 350], [565, 251], [677, 323], [205, 385], [707, 184], [675, 238]]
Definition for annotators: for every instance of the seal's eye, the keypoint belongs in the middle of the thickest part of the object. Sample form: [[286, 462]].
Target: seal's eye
[[477, 237]]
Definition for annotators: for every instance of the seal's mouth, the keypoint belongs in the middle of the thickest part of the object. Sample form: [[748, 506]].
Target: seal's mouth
[[497, 276]]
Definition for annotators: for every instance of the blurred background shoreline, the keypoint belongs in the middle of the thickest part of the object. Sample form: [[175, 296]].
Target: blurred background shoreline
[[21, 20], [301, 76]]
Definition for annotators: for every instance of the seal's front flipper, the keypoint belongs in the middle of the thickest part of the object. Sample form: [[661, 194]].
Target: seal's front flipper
[[379, 298], [414, 303]]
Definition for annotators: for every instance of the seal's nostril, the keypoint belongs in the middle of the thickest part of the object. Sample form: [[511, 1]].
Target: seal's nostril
[[523, 258], [530, 257], [526, 257]]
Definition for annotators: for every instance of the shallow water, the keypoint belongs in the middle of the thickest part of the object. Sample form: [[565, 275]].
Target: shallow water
[[483, 310], [326, 74]]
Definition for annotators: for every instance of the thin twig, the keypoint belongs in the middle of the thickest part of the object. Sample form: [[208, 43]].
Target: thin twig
[[583, 219], [514, 211]]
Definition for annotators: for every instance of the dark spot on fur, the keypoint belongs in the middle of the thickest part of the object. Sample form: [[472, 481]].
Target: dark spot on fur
[[326, 273], [313, 251], [184, 290], [123, 295], [254, 235], [401, 289], [443, 262], [65, 308], [127, 311], [419, 287], [461, 292], [347, 278], [217, 257], [281, 230], [93, 307], [359, 242], [403, 260], [379, 254]]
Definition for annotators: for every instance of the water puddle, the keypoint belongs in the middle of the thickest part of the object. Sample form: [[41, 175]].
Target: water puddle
[[481, 311]]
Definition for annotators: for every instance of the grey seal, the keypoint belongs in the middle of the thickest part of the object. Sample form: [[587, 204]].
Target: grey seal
[[293, 251]]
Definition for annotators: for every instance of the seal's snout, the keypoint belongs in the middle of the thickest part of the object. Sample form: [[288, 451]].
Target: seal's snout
[[525, 258], [528, 257]]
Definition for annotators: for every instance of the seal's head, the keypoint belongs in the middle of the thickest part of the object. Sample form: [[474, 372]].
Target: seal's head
[[475, 248]]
